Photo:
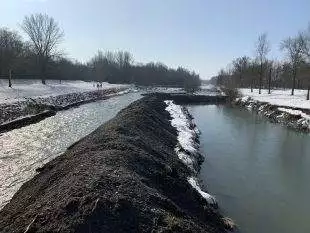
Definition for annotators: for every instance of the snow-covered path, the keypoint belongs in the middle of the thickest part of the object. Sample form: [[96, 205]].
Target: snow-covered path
[[280, 97], [34, 88]]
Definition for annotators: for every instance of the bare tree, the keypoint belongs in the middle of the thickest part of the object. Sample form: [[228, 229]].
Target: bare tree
[[124, 59], [240, 66], [295, 50], [45, 36], [307, 54], [262, 49], [11, 47]]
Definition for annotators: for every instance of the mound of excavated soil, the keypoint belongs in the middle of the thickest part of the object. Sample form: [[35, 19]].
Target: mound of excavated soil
[[124, 177]]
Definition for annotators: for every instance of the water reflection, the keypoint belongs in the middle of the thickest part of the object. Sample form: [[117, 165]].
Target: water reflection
[[258, 171]]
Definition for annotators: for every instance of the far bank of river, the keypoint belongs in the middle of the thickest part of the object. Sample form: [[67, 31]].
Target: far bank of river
[[258, 171]]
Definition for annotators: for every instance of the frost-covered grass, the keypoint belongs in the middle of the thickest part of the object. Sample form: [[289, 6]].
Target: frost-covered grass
[[22, 89], [187, 146], [279, 97]]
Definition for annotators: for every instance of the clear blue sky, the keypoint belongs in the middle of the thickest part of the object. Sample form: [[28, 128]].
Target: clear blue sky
[[202, 35]]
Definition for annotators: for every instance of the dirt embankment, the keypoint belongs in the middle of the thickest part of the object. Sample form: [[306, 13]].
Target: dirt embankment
[[31, 110], [124, 177], [184, 98]]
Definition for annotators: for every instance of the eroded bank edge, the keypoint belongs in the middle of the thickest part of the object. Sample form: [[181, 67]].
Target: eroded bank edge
[[298, 119]]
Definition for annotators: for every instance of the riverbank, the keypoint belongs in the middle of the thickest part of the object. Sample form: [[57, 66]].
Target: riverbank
[[186, 98], [31, 110], [288, 115], [124, 177]]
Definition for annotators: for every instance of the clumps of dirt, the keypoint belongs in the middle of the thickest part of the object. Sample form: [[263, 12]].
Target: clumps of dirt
[[185, 98], [123, 177]]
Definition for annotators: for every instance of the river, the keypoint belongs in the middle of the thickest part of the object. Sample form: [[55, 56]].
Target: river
[[258, 171], [25, 149]]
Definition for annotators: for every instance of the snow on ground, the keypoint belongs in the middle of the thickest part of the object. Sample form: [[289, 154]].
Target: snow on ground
[[204, 90], [210, 199], [186, 135], [279, 97], [207, 86], [287, 106], [210, 89], [187, 147], [294, 112], [22, 89]]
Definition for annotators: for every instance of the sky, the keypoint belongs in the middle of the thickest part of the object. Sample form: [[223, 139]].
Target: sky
[[201, 35]]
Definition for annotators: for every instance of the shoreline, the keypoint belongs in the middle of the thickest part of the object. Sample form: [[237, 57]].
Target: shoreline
[[104, 182], [294, 118], [23, 113]]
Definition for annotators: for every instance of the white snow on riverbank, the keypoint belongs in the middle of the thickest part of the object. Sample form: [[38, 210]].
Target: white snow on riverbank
[[181, 123], [210, 199], [294, 112], [22, 89], [187, 147], [295, 118], [279, 97], [304, 120]]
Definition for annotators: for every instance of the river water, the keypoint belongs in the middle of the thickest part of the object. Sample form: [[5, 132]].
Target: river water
[[258, 171], [25, 149]]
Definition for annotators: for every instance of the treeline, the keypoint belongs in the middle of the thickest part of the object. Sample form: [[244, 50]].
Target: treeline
[[39, 57], [260, 72], [118, 67]]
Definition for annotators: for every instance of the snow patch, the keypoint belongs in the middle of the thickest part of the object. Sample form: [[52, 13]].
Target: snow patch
[[187, 147], [30, 88], [278, 97], [282, 114], [180, 121], [210, 199], [304, 120], [295, 112]]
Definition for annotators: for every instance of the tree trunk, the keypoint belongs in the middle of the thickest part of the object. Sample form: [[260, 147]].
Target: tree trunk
[[43, 63], [260, 84], [269, 81], [10, 78], [308, 94], [294, 80], [252, 85], [260, 79]]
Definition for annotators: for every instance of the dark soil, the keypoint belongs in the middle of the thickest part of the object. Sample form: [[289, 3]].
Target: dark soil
[[183, 98], [123, 177]]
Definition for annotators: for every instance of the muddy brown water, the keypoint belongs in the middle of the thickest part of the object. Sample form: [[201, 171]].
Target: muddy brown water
[[258, 171]]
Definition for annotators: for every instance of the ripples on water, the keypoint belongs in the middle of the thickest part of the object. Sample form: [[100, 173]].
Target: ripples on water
[[25, 149]]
